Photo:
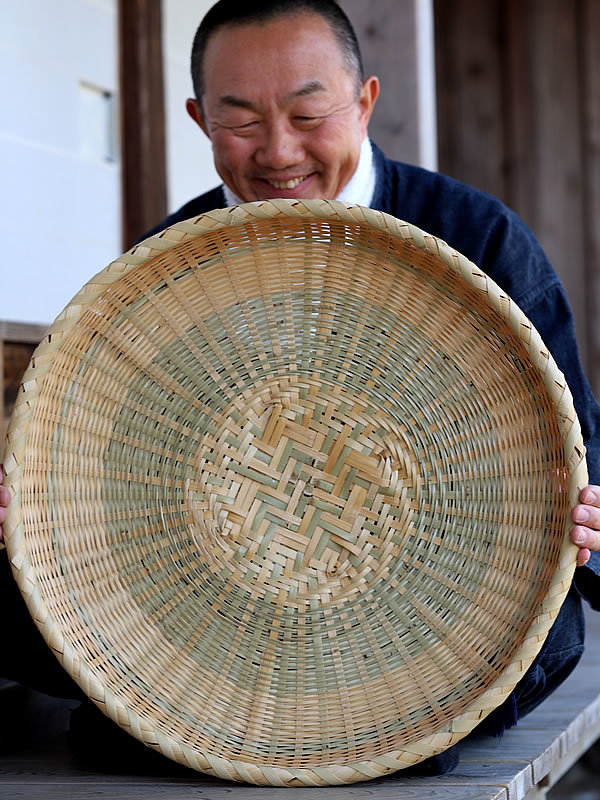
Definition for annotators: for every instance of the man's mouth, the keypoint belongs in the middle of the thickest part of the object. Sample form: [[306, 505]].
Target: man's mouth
[[289, 184]]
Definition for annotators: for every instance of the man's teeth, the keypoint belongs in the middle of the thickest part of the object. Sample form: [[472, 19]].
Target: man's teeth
[[287, 184]]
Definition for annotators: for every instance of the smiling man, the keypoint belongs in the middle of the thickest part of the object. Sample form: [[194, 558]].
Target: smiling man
[[281, 95], [283, 121]]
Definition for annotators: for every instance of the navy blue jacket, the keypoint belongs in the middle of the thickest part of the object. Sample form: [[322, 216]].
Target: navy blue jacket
[[496, 240]]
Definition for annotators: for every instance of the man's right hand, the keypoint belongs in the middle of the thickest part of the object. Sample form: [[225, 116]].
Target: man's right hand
[[4, 501]]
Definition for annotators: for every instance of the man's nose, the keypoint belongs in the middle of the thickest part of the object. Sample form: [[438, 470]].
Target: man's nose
[[280, 147]]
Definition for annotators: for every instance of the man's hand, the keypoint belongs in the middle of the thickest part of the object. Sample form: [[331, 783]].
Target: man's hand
[[586, 533], [4, 501]]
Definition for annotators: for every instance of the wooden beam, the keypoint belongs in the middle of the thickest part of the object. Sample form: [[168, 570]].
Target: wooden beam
[[589, 35], [144, 182], [545, 136], [469, 48], [518, 117]]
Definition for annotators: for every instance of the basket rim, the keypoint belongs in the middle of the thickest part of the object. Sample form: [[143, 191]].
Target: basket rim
[[26, 578]]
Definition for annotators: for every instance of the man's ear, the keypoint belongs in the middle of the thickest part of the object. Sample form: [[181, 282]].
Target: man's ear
[[369, 92], [194, 109]]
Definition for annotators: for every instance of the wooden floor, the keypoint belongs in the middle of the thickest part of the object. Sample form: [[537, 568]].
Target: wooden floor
[[37, 761]]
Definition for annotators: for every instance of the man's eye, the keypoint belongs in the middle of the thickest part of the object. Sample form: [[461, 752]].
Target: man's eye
[[307, 121], [244, 127]]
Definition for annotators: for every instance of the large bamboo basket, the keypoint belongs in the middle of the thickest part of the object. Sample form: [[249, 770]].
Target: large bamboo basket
[[292, 486]]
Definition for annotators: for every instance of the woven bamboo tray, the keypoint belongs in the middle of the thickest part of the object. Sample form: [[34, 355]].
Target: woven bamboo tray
[[292, 487]]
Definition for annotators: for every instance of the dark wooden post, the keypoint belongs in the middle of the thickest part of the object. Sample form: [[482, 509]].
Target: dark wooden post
[[143, 157], [590, 80]]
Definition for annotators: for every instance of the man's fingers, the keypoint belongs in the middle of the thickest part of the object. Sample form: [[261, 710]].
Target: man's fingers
[[586, 534], [4, 497], [3, 513], [585, 537], [583, 556], [4, 501], [586, 515], [590, 496]]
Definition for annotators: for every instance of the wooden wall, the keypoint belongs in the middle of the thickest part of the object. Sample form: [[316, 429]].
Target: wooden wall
[[518, 86], [395, 40], [17, 342], [386, 32]]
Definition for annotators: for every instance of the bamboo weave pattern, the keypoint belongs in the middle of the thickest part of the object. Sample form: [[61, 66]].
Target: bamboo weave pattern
[[293, 484]]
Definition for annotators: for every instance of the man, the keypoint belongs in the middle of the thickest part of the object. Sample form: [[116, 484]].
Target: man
[[280, 93]]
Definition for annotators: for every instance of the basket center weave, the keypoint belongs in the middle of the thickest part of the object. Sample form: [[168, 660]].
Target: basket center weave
[[301, 492]]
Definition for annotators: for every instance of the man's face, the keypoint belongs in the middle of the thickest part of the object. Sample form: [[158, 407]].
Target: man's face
[[280, 107]]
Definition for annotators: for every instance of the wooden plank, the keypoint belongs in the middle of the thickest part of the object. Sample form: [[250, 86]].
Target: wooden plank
[[386, 32], [557, 733], [519, 116], [590, 72], [519, 124], [590, 737], [16, 358], [148, 791], [515, 745], [21, 332], [470, 92], [543, 147], [514, 777], [17, 343], [144, 181], [490, 769]]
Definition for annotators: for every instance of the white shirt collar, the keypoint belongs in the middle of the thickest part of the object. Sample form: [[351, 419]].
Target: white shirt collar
[[358, 191]]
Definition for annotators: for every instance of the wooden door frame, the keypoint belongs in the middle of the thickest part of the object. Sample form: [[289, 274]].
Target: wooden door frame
[[142, 116]]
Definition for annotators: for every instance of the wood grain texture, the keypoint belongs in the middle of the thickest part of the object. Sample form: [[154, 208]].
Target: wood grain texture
[[17, 343], [589, 33], [33, 791], [386, 32], [544, 133], [518, 116], [469, 64], [143, 155]]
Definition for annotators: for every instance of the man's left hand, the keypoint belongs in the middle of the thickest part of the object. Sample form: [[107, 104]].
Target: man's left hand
[[586, 515]]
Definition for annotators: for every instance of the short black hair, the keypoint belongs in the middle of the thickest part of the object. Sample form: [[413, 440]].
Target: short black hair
[[246, 12]]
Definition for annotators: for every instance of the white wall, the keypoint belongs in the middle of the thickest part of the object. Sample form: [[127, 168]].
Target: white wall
[[190, 169], [60, 220]]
